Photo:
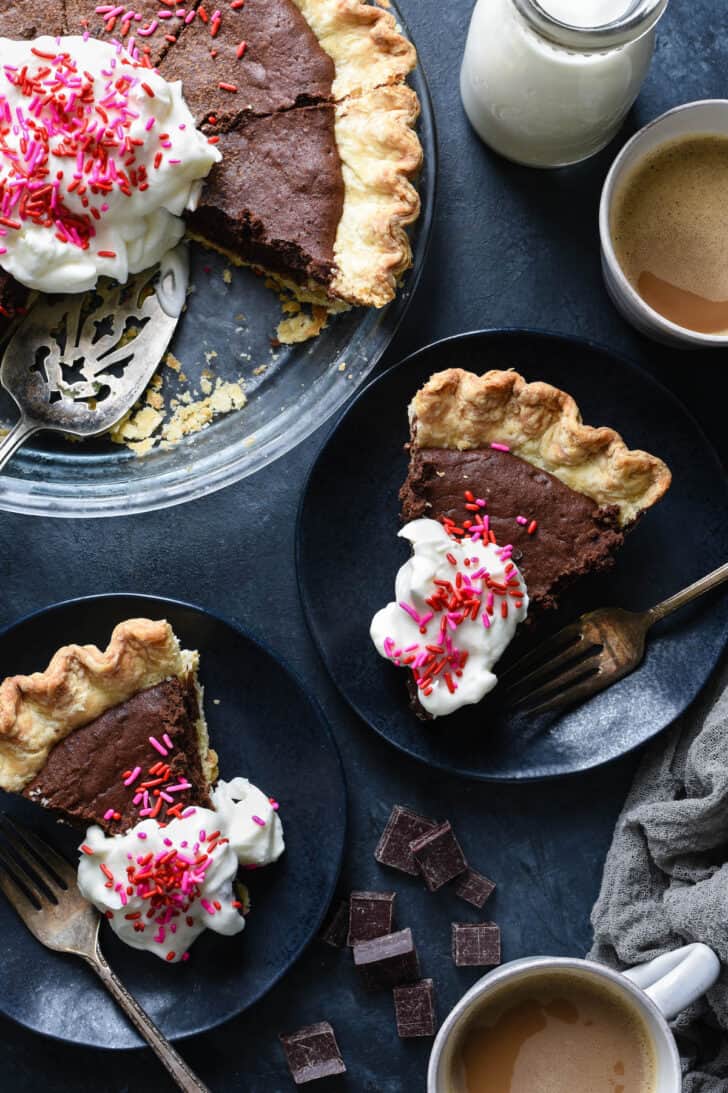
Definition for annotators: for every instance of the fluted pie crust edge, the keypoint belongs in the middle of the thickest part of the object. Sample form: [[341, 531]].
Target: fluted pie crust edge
[[81, 683], [541, 424]]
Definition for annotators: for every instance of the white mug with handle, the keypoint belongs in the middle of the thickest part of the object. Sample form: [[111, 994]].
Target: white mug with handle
[[659, 990]]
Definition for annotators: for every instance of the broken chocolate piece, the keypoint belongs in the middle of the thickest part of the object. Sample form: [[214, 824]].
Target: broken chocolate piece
[[336, 929], [473, 887], [475, 944], [414, 1009], [388, 961], [312, 1053], [370, 915], [438, 856], [403, 826]]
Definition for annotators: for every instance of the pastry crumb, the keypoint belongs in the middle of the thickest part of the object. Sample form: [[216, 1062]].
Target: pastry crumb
[[300, 327], [227, 275]]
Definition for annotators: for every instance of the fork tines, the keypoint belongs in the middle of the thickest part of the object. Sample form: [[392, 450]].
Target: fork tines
[[31, 866], [563, 670]]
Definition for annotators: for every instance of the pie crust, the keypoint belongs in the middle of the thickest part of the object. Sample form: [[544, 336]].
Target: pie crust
[[460, 410], [81, 683]]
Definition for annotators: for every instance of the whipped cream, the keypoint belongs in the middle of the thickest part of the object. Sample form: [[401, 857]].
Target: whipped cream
[[451, 634], [192, 861], [99, 158]]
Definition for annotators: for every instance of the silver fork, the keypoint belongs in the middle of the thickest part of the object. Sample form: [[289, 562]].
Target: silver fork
[[590, 654], [41, 886]]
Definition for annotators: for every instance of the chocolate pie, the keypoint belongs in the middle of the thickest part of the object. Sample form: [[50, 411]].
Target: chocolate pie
[[562, 493], [110, 737], [307, 102]]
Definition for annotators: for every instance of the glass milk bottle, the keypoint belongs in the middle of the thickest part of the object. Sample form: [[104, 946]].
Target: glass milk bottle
[[548, 82]]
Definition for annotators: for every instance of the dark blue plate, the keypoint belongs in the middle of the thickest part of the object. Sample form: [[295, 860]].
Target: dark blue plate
[[264, 726], [348, 555]]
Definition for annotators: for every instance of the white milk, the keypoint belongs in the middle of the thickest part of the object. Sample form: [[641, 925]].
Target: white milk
[[545, 104], [586, 13]]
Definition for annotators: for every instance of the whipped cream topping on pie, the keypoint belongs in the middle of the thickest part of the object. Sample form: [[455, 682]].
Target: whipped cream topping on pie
[[189, 866], [99, 159], [456, 608]]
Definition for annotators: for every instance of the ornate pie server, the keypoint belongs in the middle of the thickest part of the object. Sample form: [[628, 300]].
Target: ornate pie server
[[76, 364]]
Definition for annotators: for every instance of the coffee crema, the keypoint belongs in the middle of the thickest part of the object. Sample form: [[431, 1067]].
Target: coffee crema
[[670, 231], [554, 1032]]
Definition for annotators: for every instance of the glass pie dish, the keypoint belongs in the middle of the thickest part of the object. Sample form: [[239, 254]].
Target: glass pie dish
[[225, 337]]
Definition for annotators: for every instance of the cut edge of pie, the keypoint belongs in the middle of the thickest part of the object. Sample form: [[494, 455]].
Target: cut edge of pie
[[80, 684], [541, 424]]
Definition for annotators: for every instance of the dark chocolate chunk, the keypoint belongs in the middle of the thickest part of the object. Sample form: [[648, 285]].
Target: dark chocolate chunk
[[438, 856], [388, 961], [393, 849], [370, 915], [475, 944], [473, 887], [313, 1053], [414, 1009], [335, 931]]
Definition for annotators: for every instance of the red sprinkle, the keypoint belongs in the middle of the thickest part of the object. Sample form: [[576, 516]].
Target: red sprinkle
[[532, 527]]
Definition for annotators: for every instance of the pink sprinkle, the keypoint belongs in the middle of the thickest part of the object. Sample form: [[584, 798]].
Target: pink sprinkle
[[257, 820], [411, 612], [141, 834], [188, 812], [521, 520], [167, 741], [150, 124], [109, 814], [486, 620], [481, 501], [3, 250], [274, 804], [203, 835], [208, 906], [185, 956], [500, 447], [157, 746], [133, 776], [167, 842]]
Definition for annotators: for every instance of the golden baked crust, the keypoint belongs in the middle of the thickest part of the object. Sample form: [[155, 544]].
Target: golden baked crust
[[364, 42], [82, 682], [380, 154], [541, 424]]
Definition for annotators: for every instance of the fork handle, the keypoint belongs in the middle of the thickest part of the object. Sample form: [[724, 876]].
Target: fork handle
[[160, 1045], [680, 599], [17, 436]]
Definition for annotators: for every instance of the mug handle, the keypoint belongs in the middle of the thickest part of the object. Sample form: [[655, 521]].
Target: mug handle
[[677, 979]]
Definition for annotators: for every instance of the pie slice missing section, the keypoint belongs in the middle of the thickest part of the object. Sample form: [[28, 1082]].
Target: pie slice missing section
[[110, 737]]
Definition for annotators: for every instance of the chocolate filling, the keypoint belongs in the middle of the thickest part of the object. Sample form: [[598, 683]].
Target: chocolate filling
[[574, 535], [83, 775], [276, 197]]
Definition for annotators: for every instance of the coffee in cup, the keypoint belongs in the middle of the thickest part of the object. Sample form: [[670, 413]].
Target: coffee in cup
[[552, 1031]]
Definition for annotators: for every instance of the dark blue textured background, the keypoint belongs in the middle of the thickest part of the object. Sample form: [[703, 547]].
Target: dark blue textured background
[[510, 247]]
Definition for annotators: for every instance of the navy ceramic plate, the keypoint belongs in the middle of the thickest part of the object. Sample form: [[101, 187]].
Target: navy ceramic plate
[[348, 555], [263, 726]]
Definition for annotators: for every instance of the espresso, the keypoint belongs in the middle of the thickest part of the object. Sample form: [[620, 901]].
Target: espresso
[[670, 231], [552, 1033]]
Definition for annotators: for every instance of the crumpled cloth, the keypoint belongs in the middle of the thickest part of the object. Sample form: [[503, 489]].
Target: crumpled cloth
[[665, 879]]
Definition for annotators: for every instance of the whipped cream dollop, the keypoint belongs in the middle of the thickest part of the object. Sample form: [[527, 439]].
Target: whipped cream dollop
[[99, 158], [456, 608], [189, 866]]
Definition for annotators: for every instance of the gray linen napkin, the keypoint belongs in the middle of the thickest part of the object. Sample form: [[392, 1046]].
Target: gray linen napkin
[[665, 880]]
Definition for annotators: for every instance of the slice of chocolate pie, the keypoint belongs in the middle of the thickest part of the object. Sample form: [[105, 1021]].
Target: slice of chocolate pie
[[110, 737], [561, 493]]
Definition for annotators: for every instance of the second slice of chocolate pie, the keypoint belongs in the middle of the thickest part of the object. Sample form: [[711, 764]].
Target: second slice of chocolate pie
[[110, 737], [561, 492]]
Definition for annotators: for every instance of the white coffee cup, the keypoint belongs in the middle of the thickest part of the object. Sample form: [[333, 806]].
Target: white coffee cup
[[658, 991], [706, 117]]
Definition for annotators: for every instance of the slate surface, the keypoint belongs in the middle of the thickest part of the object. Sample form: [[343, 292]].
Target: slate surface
[[510, 247]]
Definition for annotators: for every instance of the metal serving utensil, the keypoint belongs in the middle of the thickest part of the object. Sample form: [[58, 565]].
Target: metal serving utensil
[[41, 886], [590, 654], [77, 363]]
